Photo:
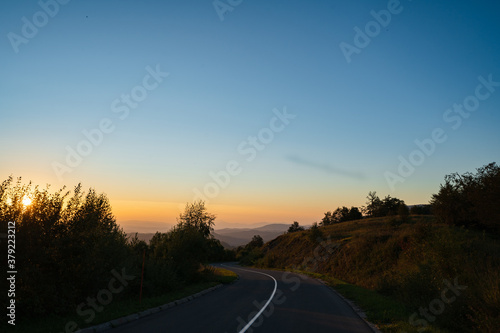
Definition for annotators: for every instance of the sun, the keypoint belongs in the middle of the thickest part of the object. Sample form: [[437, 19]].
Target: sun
[[26, 201]]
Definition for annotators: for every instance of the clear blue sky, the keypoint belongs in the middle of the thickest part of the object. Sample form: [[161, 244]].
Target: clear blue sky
[[352, 119]]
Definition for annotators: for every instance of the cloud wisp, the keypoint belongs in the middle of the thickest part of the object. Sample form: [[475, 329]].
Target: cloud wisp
[[325, 167]]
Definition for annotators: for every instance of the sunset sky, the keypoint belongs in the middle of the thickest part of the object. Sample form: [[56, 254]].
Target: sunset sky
[[275, 111]]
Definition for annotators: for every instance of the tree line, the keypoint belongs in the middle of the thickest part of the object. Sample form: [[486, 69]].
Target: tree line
[[68, 244], [375, 207], [471, 199]]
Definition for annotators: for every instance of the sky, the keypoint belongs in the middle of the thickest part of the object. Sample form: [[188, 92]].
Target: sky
[[269, 111]]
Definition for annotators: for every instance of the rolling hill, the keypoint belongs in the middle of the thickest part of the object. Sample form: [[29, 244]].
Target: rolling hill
[[234, 237], [411, 261]]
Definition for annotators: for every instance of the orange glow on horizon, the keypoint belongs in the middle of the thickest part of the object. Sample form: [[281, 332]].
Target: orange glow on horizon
[[163, 215]]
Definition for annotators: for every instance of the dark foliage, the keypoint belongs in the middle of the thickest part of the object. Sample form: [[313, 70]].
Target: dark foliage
[[68, 244], [375, 207], [343, 214], [471, 200], [295, 227]]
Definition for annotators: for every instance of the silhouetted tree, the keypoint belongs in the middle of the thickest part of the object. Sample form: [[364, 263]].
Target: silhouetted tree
[[341, 214], [390, 206], [217, 252], [354, 214], [68, 242], [403, 212], [196, 215], [373, 204], [295, 227], [256, 242], [421, 210], [470, 199], [187, 248], [315, 234], [66, 248], [251, 252], [137, 246], [387, 207], [327, 219]]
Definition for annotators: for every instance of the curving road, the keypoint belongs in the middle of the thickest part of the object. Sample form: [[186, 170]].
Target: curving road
[[260, 301]]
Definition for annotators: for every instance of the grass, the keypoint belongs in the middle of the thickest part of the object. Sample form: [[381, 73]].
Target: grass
[[119, 308], [388, 314], [393, 268], [223, 275]]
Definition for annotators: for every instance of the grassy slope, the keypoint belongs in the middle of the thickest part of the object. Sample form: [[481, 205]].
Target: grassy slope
[[396, 268]]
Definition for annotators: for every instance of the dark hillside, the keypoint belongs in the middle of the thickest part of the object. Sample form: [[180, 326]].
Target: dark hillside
[[412, 262]]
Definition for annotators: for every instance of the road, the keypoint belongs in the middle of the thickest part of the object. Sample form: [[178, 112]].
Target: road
[[260, 301]]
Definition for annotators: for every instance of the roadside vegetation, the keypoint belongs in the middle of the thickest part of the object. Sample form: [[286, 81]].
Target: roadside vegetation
[[409, 272], [74, 260], [429, 267]]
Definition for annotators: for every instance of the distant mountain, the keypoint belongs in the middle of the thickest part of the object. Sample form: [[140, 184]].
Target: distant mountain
[[133, 226], [241, 236], [242, 225], [274, 227], [141, 235], [234, 237]]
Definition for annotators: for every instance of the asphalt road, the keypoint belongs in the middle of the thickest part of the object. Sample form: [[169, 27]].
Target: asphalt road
[[260, 301]]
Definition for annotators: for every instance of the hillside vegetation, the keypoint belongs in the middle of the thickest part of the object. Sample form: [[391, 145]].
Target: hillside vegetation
[[73, 257], [411, 260]]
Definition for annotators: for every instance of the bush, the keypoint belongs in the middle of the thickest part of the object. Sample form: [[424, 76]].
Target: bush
[[470, 200], [66, 250], [407, 262], [315, 234], [68, 242]]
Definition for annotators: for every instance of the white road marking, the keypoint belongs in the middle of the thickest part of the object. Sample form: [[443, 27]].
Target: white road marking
[[244, 329]]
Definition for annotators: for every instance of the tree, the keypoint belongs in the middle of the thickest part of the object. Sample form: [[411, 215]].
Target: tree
[[315, 234], [373, 204], [378, 208], [66, 247], [295, 227], [217, 252], [196, 215], [421, 210], [327, 219], [470, 200], [136, 245], [251, 252], [390, 206], [341, 214], [187, 249], [256, 242], [403, 212]]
